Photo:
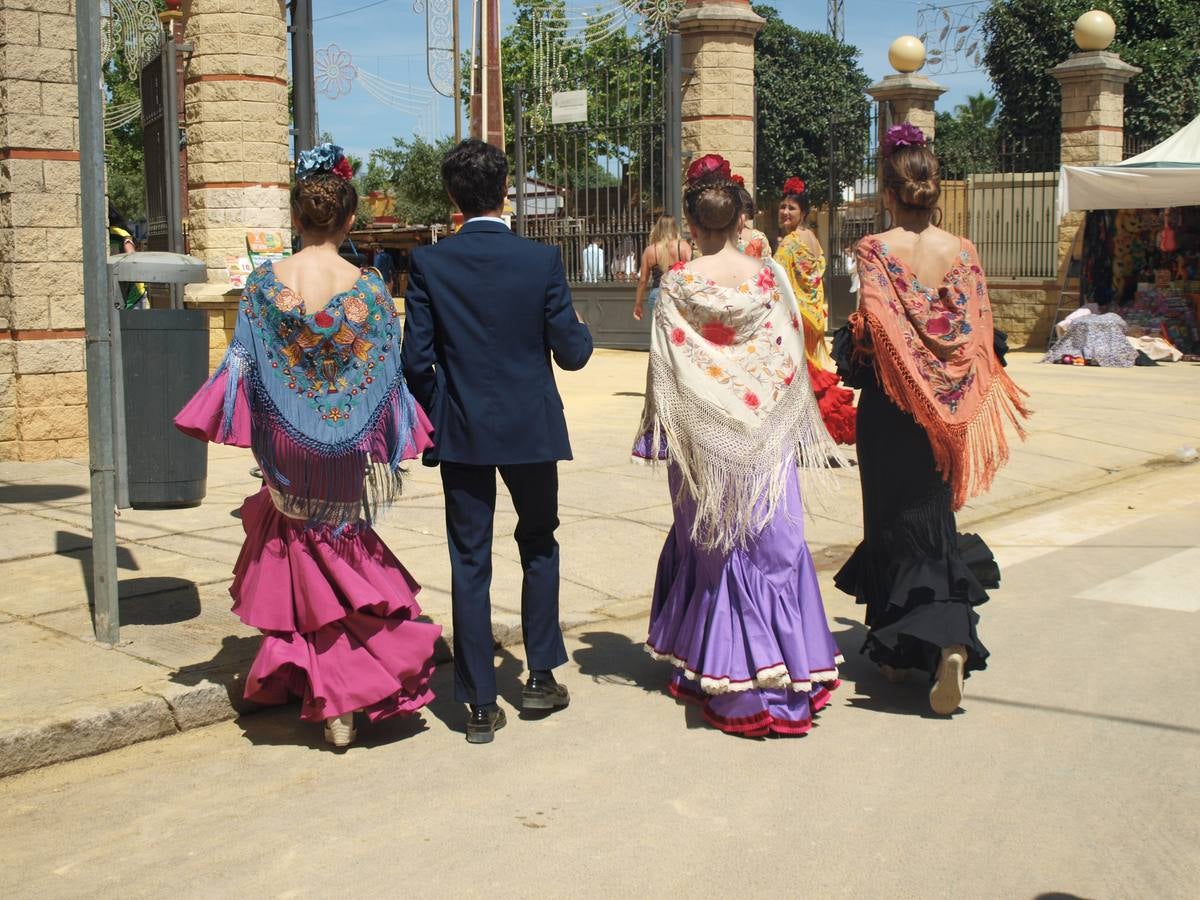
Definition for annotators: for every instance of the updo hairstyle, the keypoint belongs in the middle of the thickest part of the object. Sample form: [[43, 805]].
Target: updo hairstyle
[[713, 203], [323, 202], [911, 173], [746, 199]]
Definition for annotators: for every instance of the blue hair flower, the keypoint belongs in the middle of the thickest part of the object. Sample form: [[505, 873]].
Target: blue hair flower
[[322, 158]]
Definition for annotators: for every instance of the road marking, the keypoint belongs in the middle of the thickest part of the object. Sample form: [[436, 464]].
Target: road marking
[[1167, 584]]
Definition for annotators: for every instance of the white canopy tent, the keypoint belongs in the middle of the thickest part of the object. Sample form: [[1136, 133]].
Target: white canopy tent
[[1168, 174]]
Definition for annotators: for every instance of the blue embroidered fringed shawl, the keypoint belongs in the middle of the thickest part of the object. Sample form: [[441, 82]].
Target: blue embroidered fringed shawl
[[331, 413]]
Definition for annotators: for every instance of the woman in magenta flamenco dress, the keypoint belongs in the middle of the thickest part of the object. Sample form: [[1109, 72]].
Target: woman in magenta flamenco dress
[[737, 609], [312, 383]]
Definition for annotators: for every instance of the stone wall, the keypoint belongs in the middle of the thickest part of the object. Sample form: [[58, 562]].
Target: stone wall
[[235, 95], [1024, 311], [42, 384], [718, 95]]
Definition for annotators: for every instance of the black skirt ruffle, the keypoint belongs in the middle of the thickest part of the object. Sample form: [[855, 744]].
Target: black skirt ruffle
[[919, 578]]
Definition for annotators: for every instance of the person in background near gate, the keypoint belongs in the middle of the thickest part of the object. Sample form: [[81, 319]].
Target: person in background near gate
[[624, 266], [484, 314], [593, 261], [664, 249], [801, 256], [736, 608], [120, 240], [751, 241], [312, 383], [923, 348]]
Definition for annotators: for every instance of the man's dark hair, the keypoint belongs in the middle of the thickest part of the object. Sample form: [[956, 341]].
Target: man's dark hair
[[476, 176]]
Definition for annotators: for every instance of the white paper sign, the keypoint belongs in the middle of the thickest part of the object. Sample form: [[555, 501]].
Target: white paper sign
[[568, 106]]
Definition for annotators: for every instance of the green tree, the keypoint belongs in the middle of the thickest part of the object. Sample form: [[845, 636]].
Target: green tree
[[124, 152], [805, 80], [966, 140], [413, 171], [1024, 38], [620, 75]]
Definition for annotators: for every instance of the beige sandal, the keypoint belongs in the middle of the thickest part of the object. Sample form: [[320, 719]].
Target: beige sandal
[[339, 730], [947, 691]]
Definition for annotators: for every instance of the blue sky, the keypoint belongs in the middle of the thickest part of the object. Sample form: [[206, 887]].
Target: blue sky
[[388, 40]]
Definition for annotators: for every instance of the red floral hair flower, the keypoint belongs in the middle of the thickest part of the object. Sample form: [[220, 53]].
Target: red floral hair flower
[[738, 180], [710, 165], [793, 185], [343, 170]]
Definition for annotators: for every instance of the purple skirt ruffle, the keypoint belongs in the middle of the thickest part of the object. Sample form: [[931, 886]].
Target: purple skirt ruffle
[[745, 630]]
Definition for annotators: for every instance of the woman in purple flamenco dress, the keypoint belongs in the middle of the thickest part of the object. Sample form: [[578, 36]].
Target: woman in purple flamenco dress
[[737, 608], [312, 383]]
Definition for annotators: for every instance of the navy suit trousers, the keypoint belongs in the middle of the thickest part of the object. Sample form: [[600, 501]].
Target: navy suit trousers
[[470, 493]]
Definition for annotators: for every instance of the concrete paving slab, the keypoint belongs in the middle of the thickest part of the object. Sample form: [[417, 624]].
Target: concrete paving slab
[[28, 535], [624, 567], [69, 671]]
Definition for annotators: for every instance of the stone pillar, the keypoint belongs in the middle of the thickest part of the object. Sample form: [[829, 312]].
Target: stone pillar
[[42, 387], [718, 97], [235, 96], [1093, 120], [910, 98]]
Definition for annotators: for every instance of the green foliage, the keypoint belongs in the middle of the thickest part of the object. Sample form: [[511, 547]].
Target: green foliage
[[966, 140], [124, 154], [413, 172], [1027, 37], [624, 90], [805, 79]]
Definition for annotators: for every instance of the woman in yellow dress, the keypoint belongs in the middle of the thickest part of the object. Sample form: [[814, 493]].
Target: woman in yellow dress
[[801, 256]]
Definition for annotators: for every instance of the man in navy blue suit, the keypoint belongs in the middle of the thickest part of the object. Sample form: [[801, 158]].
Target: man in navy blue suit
[[485, 312]]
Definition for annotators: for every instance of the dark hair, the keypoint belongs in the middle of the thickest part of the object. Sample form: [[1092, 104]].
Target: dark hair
[[911, 173], [115, 219], [746, 199], [713, 203], [800, 199], [323, 202], [475, 175]]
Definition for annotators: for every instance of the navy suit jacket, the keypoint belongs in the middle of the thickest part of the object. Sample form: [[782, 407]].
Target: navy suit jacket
[[484, 312]]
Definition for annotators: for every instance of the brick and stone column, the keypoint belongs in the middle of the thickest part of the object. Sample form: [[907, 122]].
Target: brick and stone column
[[1093, 119], [910, 96], [235, 95], [718, 97], [42, 387]]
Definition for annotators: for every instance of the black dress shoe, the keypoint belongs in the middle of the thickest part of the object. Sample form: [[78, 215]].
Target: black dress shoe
[[544, 693], [484, 723]]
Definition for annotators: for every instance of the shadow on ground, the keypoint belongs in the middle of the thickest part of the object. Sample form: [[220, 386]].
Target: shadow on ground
[[38, 493]]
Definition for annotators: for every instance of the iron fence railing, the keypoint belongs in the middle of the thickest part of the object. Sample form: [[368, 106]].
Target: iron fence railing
[[595, 188]]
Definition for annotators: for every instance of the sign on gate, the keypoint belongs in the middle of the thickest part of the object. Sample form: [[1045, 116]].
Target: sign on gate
[[568, 106]]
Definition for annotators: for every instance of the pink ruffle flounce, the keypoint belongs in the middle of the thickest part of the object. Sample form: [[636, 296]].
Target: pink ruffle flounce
[[338, 613]]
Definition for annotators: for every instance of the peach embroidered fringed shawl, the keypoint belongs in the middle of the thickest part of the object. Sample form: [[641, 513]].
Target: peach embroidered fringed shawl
[[933, 354]]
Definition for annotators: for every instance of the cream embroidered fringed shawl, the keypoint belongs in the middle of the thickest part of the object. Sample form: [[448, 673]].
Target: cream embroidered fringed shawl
[[932, 348], [728, 400]]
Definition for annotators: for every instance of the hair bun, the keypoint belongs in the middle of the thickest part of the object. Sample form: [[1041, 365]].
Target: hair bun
[[323, 202], [922, 194]]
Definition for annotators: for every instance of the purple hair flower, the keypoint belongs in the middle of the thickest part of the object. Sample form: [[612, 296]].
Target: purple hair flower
[[904, 135]]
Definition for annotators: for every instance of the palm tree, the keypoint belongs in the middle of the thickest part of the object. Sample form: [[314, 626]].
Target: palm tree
[[979, 110]]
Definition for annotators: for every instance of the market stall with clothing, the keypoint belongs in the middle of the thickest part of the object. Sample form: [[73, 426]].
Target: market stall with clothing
[[1139, 290]]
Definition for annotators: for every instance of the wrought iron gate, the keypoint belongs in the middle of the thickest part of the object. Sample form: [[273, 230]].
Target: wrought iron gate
[[160, 136], [595, 184]]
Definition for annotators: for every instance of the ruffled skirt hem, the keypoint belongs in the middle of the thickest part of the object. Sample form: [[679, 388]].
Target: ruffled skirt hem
[[774, 677], [924, 605], [758, 713], [338, 613]]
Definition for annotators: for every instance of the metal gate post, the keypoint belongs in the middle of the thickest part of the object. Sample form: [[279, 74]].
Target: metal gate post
[[304, 101], [98, 323], [170, 124], [674, 125], [519, 165]]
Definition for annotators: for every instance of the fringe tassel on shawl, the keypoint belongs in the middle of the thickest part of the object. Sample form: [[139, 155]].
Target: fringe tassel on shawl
[[968, 455], [320, 484], [737, 480]]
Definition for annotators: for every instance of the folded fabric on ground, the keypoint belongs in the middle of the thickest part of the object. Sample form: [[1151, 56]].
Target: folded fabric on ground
[[1100, 338]]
